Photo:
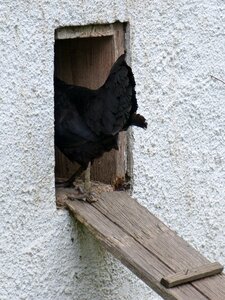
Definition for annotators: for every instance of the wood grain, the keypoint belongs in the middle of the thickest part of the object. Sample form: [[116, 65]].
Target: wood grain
[[145, 245], [190, 275]]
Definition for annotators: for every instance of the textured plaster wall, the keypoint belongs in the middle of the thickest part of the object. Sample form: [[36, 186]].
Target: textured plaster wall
[[179, 162]]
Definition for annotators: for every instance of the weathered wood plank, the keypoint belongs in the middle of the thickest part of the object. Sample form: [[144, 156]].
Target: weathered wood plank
[[96, 30], [155, 236], [113, 227], [192, 274]]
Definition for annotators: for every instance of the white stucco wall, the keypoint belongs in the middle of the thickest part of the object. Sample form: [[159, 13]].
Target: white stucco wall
[[179, 162]]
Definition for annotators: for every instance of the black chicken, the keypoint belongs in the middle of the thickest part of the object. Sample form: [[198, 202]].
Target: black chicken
[[88, 122]]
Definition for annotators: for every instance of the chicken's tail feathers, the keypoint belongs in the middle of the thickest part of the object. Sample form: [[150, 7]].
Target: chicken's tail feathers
[[139, 121], [121, 80]]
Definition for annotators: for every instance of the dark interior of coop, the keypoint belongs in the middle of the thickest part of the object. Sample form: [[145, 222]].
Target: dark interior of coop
[[87, 62]]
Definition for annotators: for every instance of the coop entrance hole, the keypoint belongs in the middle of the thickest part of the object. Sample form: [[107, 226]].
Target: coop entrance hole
[[84, 56]]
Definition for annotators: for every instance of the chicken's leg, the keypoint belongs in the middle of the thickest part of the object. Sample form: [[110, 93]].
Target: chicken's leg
[[87, 185], [84, 193], [87, 179]]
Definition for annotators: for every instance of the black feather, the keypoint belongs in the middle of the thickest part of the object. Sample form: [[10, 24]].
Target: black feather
[[87, 122]]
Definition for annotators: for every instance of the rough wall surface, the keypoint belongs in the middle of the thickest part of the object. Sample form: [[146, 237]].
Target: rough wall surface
[[179, 164]]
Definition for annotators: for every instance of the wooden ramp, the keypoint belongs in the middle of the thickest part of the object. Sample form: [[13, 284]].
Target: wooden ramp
[[146, 246]]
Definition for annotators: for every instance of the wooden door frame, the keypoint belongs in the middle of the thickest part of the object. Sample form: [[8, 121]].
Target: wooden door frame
[[114, 163]]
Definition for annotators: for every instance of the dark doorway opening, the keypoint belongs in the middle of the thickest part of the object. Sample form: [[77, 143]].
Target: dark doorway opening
[[84, 56]]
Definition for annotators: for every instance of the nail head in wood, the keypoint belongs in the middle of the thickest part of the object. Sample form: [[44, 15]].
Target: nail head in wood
[[190, 275]]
